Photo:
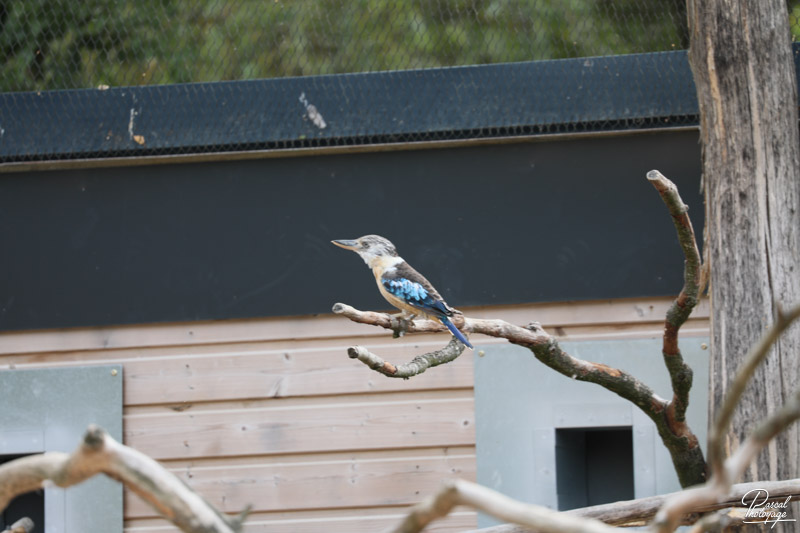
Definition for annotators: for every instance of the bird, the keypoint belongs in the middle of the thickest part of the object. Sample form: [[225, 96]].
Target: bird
[[401, 285]]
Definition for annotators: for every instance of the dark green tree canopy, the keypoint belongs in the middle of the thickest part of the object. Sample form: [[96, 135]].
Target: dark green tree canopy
[[62, 44]]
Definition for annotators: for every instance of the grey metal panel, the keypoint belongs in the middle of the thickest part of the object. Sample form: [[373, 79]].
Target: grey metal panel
[[541, 483], [56, 406], [645, 441], [576, 415], [23, 441], [517, 397]]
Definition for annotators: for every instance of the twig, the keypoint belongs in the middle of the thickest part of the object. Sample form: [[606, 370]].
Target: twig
[[669, 516], [416, 366], [460, 492], [99, 453], [680, 373], [713, 522], [724, 473], [640, 511], [686, 454], [23, 525]]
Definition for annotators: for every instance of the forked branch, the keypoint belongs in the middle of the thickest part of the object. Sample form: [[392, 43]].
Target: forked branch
[[725, 472], [686, 454], [101, 454], [23, 525]]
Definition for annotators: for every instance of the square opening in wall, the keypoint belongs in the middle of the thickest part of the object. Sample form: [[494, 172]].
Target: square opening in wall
[[593, 466]]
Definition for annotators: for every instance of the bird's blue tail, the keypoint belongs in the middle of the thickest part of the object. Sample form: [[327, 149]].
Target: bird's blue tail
[[454, 330]]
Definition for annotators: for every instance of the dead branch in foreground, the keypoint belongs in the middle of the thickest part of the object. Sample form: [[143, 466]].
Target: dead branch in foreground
[[527, 518], [755, 357], [23, 525], [460, 492], [98, 453], [640, 511], [724, 473]]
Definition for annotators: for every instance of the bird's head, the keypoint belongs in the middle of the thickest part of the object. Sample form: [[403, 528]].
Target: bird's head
[[371, 248]]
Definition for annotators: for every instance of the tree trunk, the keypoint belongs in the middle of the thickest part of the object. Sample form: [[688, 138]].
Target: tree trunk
[[741, 57]]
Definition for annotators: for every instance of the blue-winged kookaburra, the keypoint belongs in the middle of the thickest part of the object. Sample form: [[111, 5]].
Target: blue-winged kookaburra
[[400, 284]]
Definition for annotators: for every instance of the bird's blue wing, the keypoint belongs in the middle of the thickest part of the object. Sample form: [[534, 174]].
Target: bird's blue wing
[[416, 295], [419, 294]]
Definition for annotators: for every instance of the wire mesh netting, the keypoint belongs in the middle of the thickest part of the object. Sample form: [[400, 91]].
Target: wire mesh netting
[[53, 49], [72, 45]]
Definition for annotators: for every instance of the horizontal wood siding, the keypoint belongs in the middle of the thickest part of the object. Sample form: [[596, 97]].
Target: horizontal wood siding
[[273, 413]]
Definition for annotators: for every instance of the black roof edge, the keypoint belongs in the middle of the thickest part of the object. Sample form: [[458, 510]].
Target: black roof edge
[[628, 92]]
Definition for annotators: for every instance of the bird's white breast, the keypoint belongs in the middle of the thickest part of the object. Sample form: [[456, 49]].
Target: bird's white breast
[[382, 262]]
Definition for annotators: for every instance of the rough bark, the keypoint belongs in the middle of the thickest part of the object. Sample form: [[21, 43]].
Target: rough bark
[[417, 366], [740, 54], [686, 454], [679, 372]]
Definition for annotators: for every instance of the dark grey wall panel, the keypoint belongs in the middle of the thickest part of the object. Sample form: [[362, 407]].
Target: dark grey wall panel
[[531, 221]]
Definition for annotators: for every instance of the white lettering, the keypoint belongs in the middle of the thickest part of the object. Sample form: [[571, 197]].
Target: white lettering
[[762, 511]]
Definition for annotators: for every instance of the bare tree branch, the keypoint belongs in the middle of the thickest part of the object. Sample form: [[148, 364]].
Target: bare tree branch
[[639, 512], [679, 440], [416, 366], [713, 522], [724, 473], [680, 373], [545, 348], [23, 525], [460, 492], [526, 518], [99, 453]]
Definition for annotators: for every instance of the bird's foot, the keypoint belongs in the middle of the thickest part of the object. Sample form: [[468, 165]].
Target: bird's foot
[[400, 324]]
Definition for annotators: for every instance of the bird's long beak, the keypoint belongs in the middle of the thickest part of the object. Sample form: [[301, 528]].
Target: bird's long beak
[[347, 244]]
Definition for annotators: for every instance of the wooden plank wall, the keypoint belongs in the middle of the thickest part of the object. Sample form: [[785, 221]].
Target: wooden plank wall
[[273, 413]]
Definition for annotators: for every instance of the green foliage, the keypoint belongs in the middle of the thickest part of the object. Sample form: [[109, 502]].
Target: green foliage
[[794, 18], [60, 44]]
